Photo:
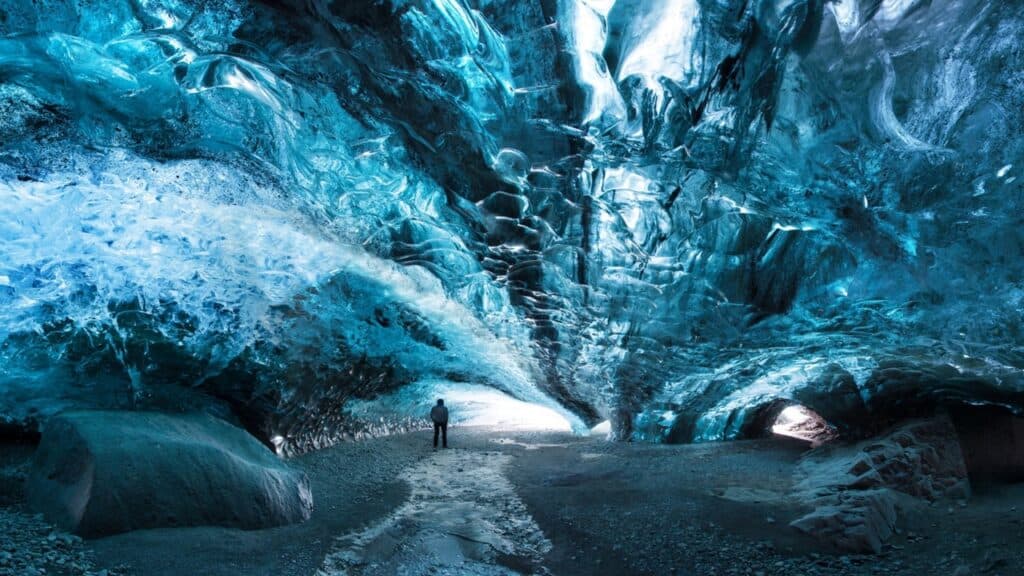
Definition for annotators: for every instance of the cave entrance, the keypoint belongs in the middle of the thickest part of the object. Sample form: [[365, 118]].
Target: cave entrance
[[487, 407], [802, 423], [784, 418], [468, 405]]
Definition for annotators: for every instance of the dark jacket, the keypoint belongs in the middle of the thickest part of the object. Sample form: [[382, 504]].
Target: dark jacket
[[439, 414]]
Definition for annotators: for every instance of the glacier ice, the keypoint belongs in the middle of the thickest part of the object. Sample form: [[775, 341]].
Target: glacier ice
[[669, 214]]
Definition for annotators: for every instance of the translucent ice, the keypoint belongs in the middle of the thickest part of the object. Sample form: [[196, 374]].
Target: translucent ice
[[668, 214]]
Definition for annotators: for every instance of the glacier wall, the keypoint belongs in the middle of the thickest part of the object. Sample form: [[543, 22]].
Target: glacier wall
[[669, 213]]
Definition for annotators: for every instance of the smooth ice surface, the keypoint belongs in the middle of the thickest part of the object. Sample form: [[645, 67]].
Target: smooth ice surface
[[668, 214]]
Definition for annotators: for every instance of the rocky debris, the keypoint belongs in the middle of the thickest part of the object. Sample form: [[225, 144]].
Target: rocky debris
[[853, 489], [922, 459], [859, 520], [707, 549], [31, 547], [99, 473]]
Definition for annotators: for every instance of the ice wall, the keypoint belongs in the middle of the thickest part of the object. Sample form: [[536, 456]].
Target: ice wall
[[667, 213]]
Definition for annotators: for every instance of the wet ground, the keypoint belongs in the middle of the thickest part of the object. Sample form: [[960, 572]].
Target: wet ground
[[544, 503]]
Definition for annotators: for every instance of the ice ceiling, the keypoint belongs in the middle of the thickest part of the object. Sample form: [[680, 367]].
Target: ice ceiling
[[669, 213]]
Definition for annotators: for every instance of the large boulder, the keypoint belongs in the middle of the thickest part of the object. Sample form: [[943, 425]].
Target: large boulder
[[854, 490], [99, 473], [856, 521]]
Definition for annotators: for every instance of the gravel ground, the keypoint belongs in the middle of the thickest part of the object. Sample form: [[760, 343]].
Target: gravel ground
[[29, 546], [724, 509], [593, 507]]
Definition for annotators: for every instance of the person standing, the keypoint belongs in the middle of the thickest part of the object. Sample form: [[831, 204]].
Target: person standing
[[439, 414]]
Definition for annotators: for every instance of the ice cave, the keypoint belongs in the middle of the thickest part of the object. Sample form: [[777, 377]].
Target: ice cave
[[707, 287]]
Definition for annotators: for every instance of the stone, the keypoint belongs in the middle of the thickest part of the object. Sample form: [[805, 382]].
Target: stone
[[852, 489], [860, 521], [98, 473], [835, 397]]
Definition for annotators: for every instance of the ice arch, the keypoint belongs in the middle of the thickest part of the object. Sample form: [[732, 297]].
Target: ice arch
[[659, 213]]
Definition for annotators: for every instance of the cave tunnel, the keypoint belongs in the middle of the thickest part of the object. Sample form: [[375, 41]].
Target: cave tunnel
[[788, 419], [705, 286]]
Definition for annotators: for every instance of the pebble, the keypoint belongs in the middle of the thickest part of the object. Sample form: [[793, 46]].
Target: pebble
[[29, 546]]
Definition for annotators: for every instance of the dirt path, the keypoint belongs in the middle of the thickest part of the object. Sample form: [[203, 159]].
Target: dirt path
[[462, 516]]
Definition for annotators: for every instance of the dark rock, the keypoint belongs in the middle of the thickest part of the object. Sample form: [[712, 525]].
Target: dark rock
[[853, 488], [19, 429], [834, 395], [856, 521], [99, 473], [922, 459]]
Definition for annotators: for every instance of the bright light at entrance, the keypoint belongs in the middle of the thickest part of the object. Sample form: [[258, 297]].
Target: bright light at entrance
[[488, 407], [468, 405], [790, 420], [799, 422]]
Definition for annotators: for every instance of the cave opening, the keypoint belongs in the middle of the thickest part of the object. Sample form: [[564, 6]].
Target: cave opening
[[783, 418], [494, 409], [469, 405], [800, 422]]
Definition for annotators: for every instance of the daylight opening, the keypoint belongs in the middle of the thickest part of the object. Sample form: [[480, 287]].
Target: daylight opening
[[603, 428], [468, 405], [800, 422], [486, 407]]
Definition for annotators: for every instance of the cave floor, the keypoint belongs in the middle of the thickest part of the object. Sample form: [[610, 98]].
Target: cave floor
[[546, 503]]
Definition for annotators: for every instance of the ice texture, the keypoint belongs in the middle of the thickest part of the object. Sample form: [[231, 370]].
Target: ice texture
[[667, 213]]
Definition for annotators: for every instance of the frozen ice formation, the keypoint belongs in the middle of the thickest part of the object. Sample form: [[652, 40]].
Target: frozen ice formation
[[667, 213]]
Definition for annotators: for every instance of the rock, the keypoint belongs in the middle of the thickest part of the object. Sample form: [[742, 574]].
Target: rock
[[99, 473], [859, 521], [922, 459], [853, 489], [835, 397]]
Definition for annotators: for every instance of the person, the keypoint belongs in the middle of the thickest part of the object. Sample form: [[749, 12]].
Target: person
[[439, 414]]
